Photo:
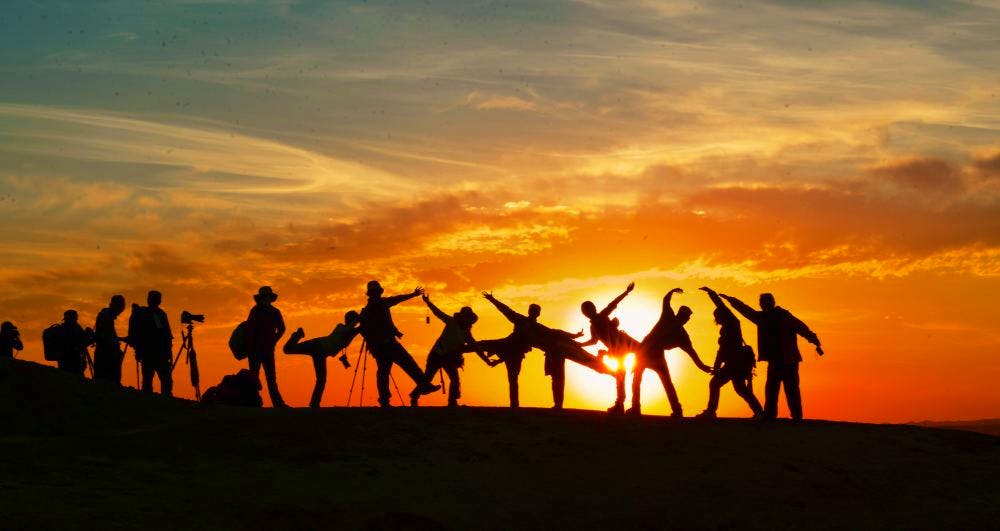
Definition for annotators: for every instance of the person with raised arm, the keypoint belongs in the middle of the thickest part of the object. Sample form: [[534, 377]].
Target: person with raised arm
[[447, 353], [668, 333], [382, 338], [605, 330], [321, 348], [734, 361], [777, 344]]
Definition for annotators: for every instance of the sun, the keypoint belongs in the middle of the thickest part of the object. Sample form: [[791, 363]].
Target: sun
[[636, 315]]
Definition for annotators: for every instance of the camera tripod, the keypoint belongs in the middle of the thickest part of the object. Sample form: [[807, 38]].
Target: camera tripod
[[191, 358], [362, 363]]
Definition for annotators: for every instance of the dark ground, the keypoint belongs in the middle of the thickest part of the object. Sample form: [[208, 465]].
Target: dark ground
[[78, 454]]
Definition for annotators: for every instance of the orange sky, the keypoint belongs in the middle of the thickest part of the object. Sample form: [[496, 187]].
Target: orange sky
[[845, 157]]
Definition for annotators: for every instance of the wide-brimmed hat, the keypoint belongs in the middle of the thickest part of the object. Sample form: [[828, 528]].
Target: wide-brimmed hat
[[265, 293], [467, 315], [374, 288]]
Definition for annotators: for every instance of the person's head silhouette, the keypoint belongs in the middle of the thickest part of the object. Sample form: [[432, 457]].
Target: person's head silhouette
[[766, 301], [588, 309], [466, 317], [265, 295], [683, 315], [534, 311], [70, 317], [117, 304], [374, 289], [351, 317], [154, 298]]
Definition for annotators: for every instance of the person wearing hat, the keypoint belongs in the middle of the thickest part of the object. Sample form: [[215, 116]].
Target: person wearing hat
[[10, 340], [446, 354], [108, 353], [382, 338], [265, 326]]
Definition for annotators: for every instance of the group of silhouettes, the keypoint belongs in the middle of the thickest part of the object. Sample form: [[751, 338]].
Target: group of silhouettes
[[150, 336]]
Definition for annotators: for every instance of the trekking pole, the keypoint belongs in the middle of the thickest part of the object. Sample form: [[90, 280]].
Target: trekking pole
[[400, 395], [90, 362], [364, 372], [357, 365]]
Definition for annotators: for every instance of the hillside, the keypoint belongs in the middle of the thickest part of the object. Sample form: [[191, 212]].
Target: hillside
[[78, 454]]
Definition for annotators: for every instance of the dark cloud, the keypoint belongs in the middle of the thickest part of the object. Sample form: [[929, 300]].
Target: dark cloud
[[922, 175]]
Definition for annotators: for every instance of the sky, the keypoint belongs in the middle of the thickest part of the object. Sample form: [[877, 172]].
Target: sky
[[844, 156]]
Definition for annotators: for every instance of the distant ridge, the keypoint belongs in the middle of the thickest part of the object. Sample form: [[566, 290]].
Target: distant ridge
[[987, 426]]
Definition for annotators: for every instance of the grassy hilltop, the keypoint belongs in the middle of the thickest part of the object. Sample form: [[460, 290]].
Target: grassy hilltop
[[78, 454]]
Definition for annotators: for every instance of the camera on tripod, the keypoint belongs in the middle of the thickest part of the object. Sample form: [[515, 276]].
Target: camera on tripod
[[191, 318]]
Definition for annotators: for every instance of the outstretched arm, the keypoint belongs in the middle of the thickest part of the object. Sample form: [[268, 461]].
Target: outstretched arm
[[396, 299], [716, 300], [743, 308], [614, 304], [507, 312], [688, 348], [804, 331], [667, 309], [435, 310]]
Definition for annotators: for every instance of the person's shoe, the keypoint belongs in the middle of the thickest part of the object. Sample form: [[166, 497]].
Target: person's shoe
[[414, 398], [385, 405], [707, 415], [279, 405], [298, 334], [677, 414], [426, 388], [617, 409], [633, 411]]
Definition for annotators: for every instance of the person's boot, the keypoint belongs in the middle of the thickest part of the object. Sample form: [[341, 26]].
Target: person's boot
[[706, 415], [617, 409], [677, 414], [414, 398], [426, 388], [634, 411], [297, 335]]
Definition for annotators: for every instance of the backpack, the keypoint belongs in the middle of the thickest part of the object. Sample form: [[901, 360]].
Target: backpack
[[238, 341], [240, 389], [53, 342]]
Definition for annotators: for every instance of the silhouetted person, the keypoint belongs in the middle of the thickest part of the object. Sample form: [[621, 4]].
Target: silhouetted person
[[73, 341], [10, 340], [322, 347], [108, 353], [447, 352], [556, 345], [150, 336], [617, 342], [510, 351], [667, 333], [265, 326], [382, 339], [777, 344], [733, 363]]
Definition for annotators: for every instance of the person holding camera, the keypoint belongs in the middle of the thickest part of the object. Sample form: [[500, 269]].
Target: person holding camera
[[108, 353], [321, 347], [150, 336], [382, 338], [10, 340], [777, 344], [734, 361], [265, 326], [74, 341]]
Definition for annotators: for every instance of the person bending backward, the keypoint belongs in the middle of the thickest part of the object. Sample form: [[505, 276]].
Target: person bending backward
[[149, 332], [265, 326], [557, 345], [382, 338], [617, 342], [667, 333], [447, 352], [733, 363], [108, 355], [322, 347], [510, 351], [777, 344]]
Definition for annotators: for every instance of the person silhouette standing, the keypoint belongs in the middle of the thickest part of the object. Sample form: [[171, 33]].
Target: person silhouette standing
[[153, 342], [510, 351], [556, 345], [322, 347], [265, 326], [108, 353], [447, 353], [74, 341], [734, 361], [777, 344], [617, 342], [382, 338], [10, 340], [668, 333]]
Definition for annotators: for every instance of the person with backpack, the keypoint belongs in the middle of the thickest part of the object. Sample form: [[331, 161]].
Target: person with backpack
[[777, 344], [447, 353], [322, 347], [150, 336], [264, 328], [108, 353], [10, 340], [605, 329], [734, 361], [382, 339], [70, 341]]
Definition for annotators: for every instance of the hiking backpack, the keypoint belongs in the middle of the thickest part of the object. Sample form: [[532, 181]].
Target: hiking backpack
[[238, 341], [53, 344]]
